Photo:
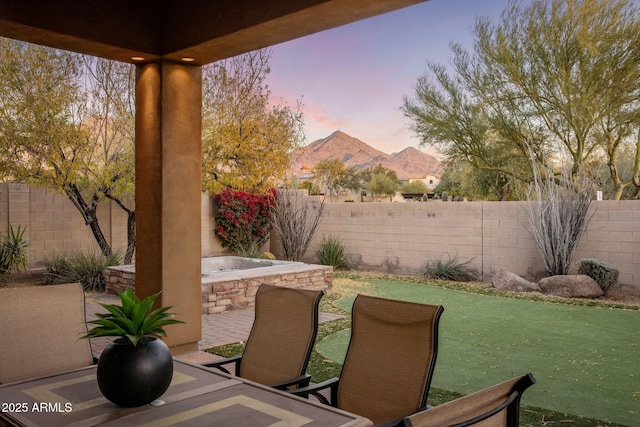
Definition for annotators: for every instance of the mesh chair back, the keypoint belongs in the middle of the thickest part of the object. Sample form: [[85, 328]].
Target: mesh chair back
[[389, 363], [282, 335], [40, 328], [496, 406]]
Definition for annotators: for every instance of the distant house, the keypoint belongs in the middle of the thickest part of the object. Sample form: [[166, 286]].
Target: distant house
[[305, 173], [430, 180]]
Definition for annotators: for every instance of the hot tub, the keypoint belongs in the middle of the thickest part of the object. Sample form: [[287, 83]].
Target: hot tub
[[223, 264]]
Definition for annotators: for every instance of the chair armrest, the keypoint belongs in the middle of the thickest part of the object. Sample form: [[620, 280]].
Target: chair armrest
[[315, 389], [401, 422], [218, 364], [301, 381]]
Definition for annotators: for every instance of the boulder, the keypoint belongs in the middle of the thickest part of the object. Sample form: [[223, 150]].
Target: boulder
[[509, 281], [571, 286]]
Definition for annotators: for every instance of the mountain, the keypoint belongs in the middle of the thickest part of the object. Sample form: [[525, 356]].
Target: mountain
[[408, 163]]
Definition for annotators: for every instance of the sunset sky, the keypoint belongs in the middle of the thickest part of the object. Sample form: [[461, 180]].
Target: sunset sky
[[353, 78]]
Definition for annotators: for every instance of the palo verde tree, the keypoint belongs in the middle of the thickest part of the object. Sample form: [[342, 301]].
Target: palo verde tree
[[460, 178], [246, 141], [61, 128], [110, 169], [365, 175], [380, 181], [332, 176], [382, 185], [559, 77], [414, 187]]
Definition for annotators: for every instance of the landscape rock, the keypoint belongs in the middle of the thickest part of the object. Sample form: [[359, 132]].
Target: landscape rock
[[509, 281], [571, 286]]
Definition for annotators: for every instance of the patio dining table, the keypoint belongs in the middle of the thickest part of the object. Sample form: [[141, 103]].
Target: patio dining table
[[197, 396]]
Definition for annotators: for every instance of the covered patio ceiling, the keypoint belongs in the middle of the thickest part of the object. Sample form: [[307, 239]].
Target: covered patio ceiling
[[202, 30]]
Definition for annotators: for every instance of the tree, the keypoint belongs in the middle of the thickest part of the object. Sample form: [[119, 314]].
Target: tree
[[110, 169], [382, 185], [355, 179], [379, 181], [53, 135], [333, 176], [67, 124], [365, 175], [246, 141], [414, 187], [559, 77], [625, 165], [460, 178]]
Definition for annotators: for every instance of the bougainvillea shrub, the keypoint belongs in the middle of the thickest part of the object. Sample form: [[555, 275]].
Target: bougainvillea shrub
[[243, 219]]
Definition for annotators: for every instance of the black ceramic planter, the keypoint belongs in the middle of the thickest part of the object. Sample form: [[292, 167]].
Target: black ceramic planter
[[134, 376]]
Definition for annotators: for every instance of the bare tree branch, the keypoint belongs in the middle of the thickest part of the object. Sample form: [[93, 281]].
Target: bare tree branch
[[295, 219]]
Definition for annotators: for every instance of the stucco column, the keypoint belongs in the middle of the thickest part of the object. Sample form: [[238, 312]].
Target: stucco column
[[168, 194]]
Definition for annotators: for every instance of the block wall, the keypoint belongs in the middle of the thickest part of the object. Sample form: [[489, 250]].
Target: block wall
[[389, 237], [401, 238], [53, 224]]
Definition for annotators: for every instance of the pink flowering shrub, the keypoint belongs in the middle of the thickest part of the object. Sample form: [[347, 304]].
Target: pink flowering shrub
[[243, 219]]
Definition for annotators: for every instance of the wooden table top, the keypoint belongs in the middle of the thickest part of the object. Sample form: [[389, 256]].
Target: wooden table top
[[197, 396]]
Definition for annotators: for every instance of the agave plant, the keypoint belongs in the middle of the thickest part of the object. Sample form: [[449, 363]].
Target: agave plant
[[133, 319], [13, 252]]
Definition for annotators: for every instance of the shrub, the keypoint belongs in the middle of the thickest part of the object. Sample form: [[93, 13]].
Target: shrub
[[450, 269], [295, 219], [558, 215], [312, 189], [13, 252], [332, 252], [250, 250], [414, 187], [606, 275], [85, 268], [242, 219]]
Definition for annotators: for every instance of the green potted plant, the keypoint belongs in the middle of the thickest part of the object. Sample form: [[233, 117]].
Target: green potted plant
[[137, 367]]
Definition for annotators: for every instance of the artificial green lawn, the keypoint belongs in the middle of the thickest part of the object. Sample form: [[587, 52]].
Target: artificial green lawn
[[586, 359]]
